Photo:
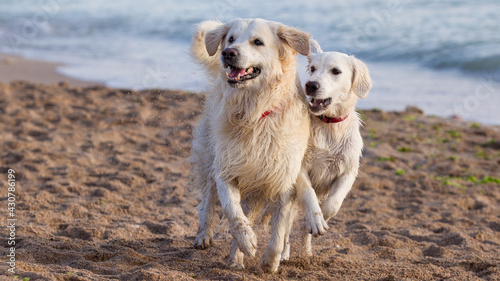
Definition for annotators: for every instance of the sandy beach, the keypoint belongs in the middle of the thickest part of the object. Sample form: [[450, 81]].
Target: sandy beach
[[102, 192], [14, 68]]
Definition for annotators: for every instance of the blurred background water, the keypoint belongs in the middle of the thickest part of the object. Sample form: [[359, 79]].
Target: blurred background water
[[442, 56]]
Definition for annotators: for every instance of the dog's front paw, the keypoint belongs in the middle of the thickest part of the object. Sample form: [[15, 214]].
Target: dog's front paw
[[270, 263], [236, 265], [236, 262], [315, 224], [330, 209], [245, 238], [203, 241]]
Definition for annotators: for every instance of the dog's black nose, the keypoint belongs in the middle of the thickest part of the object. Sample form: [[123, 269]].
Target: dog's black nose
[[312, 87], [229, 53]]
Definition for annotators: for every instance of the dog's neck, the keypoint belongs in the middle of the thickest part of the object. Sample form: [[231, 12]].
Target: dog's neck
[[327, 119], [336, 132]]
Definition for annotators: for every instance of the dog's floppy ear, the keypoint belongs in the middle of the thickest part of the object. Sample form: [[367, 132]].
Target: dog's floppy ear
[[214, 38], [315, 47], [298, 40], [361, 81]]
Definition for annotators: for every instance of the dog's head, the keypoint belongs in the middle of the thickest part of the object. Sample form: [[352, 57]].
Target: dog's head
[[252, 49], [335, 79]]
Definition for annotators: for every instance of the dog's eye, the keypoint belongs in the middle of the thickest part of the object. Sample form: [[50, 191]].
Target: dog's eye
[[336, 71], [257, 42], [231, 39], [313, 69]]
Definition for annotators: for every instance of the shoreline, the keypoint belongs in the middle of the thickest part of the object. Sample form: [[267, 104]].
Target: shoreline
[[14, 67]]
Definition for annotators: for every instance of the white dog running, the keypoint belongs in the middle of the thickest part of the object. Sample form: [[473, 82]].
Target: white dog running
[[331, 165], [250, 142]]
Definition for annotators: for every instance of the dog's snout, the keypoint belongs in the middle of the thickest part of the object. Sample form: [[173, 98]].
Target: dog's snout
[[312, 87], [230, 53]]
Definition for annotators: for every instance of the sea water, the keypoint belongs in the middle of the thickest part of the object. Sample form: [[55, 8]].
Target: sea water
[[442, 56]]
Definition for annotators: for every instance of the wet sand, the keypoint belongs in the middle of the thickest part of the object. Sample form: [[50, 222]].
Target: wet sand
[[14, 68]]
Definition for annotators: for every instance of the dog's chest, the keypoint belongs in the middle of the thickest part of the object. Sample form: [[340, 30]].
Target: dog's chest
[[325, 165], [263, 159], [327, 159]]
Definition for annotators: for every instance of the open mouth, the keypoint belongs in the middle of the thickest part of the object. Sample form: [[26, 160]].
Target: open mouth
[[240, 75], [317, 105]]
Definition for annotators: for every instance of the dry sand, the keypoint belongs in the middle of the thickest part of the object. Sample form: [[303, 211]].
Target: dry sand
[[102, 180], [102, 194]]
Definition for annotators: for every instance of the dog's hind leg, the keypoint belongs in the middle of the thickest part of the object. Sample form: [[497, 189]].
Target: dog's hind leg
[[280, 215], [206, 216], [236, 257], [306, 242], [285, 255]]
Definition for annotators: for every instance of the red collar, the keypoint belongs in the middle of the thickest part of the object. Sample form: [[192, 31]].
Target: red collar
[[267, 113], [331, 119]]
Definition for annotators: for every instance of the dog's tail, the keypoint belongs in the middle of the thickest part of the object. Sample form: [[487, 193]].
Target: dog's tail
[[199, 50]]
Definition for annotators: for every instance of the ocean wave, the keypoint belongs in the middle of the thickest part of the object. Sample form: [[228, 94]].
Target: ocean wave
[[458, 35], [480, 57]]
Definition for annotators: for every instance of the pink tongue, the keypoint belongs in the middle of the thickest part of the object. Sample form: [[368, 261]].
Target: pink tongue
[[235, 71]]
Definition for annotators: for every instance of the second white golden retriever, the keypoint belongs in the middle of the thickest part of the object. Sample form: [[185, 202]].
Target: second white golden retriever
[[335, 83], [252, 137]]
